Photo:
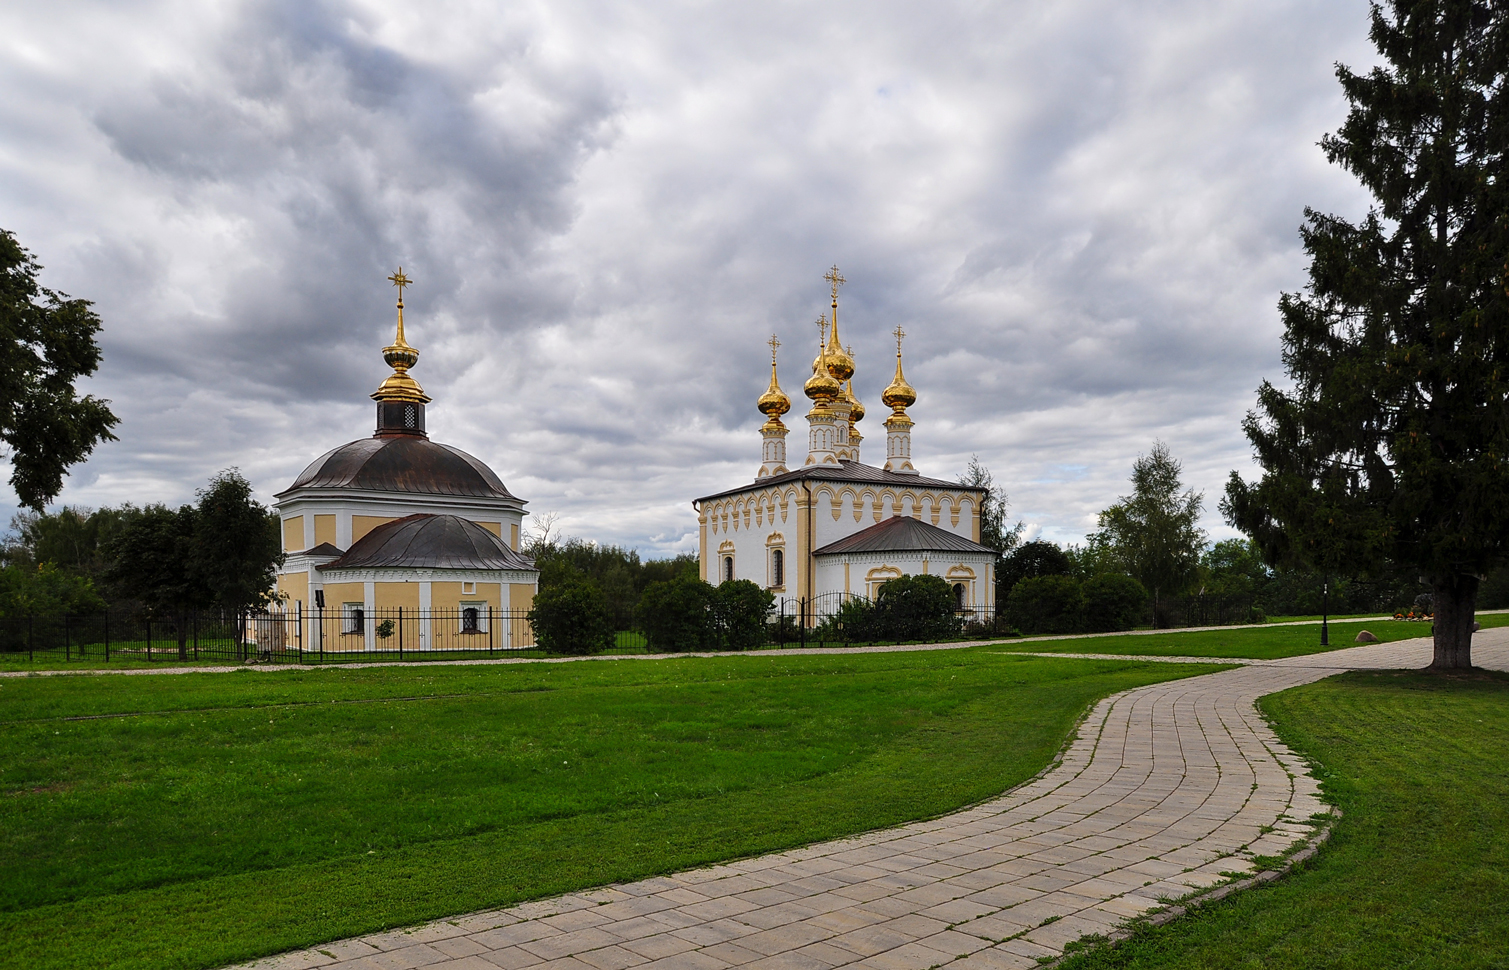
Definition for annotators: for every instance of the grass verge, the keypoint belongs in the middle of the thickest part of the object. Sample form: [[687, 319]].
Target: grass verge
[[198, 820], [1416, 872], [1257, 643]]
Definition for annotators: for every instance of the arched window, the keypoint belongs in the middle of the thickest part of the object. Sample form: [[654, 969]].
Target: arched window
[[777, 568], [728, 569], [958, 596]]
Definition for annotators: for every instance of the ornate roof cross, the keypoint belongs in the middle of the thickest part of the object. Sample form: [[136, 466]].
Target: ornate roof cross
[[900, 333], [835, 279], [822, 331], [774, 342], [400, 281]]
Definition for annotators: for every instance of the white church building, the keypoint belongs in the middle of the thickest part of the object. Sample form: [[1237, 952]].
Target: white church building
[[835, 527]]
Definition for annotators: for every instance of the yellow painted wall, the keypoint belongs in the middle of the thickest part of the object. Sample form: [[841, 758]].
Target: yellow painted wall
[[496, 528], [335, 636], [391, 596], [338, 593], [448, 596], [293, 587], [293, 533], [324, 529], [520, 596], [513, 537], [362, 524]]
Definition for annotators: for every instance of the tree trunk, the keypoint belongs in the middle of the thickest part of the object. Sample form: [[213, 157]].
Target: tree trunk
[[1454, 601]]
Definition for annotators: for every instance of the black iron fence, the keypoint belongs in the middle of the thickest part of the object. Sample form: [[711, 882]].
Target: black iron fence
[[280, 636]]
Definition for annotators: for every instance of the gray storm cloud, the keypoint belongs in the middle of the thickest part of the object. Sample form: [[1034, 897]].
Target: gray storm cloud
[[1082, 213]]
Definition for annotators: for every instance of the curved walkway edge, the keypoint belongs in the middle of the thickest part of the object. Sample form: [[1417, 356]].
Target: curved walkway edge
[[1167, 790]]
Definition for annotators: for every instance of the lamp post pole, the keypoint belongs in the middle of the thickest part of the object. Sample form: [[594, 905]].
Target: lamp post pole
[[1325, 612]]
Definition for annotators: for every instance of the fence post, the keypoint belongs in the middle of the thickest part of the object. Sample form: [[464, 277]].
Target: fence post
[[149, 638], [28, 636], [107, 636], [67, 655], [400, 633], [299, 620], [195, 628]]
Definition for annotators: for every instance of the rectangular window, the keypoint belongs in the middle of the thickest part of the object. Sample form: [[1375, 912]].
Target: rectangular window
[[353, 617], [473, 618]]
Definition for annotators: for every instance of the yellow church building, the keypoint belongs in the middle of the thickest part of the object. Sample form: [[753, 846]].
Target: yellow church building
[[396, 535]]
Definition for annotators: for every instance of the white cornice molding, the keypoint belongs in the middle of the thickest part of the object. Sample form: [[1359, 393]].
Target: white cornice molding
[[398, 574]]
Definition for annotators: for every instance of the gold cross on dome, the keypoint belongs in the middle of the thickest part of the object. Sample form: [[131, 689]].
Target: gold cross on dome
[[774, 342], [822, 330], [900, 333], [835, 279], [400, 281]]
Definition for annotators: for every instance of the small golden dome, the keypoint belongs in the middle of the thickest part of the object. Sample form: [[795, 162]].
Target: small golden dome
[[840, 364], [821, 387], [899, 395], [399, 386], [856, 409], [774, 402]]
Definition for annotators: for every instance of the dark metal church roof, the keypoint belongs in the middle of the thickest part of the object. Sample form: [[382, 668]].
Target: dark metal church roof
[[403, 463], [848, 472], [902, 533], [430, 542]]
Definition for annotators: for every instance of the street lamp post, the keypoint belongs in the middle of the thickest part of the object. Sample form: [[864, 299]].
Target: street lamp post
[[1325, 612]]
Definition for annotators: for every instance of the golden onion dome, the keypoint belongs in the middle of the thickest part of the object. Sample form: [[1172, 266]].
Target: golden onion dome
[[822, 387], [399, 385], [774, 402], [899, 395], [856, 409], [840, 364]]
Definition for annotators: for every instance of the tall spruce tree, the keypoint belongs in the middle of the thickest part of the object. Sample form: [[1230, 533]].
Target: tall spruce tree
[[1391, 445]]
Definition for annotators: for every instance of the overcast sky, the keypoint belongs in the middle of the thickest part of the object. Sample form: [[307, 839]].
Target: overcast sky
[[1082, 211]]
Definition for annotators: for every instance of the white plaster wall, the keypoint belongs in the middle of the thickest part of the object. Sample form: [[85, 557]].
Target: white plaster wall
[[726, 524]]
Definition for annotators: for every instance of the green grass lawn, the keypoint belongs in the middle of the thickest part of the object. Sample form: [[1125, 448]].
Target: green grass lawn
[[1416, 873], [1258, 643], [196, 820]]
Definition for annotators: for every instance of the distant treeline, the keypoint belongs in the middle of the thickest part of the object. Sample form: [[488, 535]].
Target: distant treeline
[[218, 553]]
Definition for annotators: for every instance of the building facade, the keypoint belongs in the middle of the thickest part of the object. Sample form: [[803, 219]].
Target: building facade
[[399, 522], [828, 528]]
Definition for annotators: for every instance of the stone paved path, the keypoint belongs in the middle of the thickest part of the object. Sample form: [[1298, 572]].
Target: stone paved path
[[1167, 789]]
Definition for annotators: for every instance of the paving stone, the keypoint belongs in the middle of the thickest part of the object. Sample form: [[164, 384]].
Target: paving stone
[[1150, 801]]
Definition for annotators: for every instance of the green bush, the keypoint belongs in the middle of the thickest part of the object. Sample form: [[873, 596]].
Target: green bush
[[854, 621], [740, 610], [676, 615], [1045, 604], [1111, 602], [915, 608], [571, 617]]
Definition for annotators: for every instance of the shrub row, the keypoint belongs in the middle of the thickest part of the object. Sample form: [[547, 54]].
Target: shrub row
[[1062, 604], [572, 616]]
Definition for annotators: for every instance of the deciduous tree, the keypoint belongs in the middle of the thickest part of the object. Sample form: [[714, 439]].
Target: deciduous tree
[[47, 342], [1155, 530]]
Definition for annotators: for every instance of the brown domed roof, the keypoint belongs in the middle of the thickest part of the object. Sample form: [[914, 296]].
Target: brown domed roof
[[430, 542], [404, 463]]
